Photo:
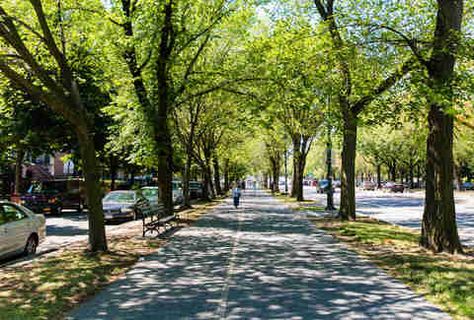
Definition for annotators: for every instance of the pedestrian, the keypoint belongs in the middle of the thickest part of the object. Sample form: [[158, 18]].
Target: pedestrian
[[236, 193]]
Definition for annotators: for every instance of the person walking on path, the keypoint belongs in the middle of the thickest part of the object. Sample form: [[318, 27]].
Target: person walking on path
[[236, 193]]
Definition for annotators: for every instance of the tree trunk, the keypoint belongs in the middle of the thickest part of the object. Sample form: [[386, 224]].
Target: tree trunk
[[226, 175], [217, 175], [20, 154], [186, 178], [439, 230], [299, 179], [165, 164], [113, 172], [265, 180], [205, 183], [296, 150], [379, 179], [347, 206], [97, 238]]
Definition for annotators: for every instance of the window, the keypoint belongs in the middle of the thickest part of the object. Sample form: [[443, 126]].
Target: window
[[11, 213]]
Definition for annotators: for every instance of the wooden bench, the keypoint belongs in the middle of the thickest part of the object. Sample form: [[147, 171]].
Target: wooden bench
[[153, 218]]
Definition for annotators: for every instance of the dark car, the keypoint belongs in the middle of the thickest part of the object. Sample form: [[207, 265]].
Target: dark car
[[394, 187], [467, 186], [124, 204], [195, 189], [54, 196], [323, 186]]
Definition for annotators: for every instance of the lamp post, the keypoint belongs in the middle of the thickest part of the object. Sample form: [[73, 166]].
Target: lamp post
[[330, 192]]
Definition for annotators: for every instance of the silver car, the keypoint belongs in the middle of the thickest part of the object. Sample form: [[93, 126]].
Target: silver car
[[21, 230]]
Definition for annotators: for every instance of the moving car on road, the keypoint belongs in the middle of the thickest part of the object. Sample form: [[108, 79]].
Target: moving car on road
[[394, 187], [368, 185], [121, 205], [21, 230], [323, 186]]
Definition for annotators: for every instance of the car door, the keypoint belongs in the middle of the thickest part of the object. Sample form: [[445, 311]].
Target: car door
[[5, 244], [18, 226]]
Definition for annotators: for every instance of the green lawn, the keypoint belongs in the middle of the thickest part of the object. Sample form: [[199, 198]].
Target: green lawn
[[445, 280]]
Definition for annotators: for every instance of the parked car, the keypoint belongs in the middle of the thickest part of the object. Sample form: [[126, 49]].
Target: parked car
[[393, 187], [467, 186], [368, 185], [151, 193], [54, 196], [21, 230], [196, 189], [124, 204]]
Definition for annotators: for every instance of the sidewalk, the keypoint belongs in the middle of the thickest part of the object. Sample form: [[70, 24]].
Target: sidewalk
[[260, 261]]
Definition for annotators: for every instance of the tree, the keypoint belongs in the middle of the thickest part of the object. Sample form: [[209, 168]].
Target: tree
[[352, 102], [439, 230], [58, 90]]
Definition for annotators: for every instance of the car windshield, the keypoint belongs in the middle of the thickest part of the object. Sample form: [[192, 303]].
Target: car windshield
[[150, 193], [46, 187], [120, 197]]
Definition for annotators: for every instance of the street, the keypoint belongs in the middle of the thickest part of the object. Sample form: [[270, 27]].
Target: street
[[70, 227], [405, 209], [65, 229]]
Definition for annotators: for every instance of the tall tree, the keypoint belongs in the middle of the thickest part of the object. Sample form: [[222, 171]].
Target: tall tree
[[53, 82], [352, 102], [439, 230]]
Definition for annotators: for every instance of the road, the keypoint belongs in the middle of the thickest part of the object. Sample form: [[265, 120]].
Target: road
[[63, 230], [406, 209], [67, 228]]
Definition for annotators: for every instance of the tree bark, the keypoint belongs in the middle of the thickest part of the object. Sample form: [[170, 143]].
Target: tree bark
[[20, 154], [217, 175], [226, 175], [347, 206], [97, 238], [296, 150], [439, 230], [379, 179]]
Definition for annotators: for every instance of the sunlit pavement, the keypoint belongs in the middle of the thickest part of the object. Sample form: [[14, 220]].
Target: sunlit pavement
[[260, 261], [406, 209]]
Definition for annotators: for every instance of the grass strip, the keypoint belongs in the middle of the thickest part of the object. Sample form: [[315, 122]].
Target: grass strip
[[50, 286], [445, 280]]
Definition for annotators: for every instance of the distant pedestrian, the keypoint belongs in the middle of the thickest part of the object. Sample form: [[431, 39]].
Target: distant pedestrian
[[236, 193]]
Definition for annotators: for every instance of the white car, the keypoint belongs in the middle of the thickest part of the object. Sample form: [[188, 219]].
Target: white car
[[21, 230], [151, 193]]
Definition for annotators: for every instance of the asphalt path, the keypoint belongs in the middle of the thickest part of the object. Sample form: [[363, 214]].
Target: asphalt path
[[261, 261], [406, 209]]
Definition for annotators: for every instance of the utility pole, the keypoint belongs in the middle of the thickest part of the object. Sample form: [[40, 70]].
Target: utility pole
[[330, 192]]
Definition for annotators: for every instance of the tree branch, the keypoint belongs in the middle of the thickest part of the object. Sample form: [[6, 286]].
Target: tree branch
[[386, 84]]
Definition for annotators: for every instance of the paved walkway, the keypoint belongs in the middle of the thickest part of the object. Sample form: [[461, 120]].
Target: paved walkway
[[257, 262]]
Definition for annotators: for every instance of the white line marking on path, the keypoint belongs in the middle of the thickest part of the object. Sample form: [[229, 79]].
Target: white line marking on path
[[222, 309]]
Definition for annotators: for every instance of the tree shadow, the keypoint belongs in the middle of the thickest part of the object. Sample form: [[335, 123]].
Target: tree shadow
[[258, 262]]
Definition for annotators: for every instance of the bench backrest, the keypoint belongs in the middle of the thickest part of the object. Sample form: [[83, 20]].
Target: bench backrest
[[152, 211]]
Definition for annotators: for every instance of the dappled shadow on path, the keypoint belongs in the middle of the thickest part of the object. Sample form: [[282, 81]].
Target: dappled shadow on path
[[260, 261]]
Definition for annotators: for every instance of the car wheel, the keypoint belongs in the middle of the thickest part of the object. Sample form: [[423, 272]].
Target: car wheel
[[31, 245]]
